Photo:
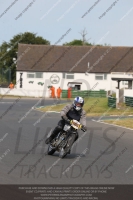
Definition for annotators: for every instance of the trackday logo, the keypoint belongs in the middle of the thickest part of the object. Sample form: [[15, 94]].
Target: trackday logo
[[54, 79]]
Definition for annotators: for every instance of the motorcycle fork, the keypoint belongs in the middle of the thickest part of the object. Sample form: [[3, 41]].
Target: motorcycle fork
[[59, 134], [69, 133]]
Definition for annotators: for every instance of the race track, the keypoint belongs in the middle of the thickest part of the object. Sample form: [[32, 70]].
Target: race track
[[95, 159]]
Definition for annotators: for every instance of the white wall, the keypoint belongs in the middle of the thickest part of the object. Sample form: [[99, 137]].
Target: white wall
[[35, 90], [128, 93], [88, 82], [121, 75], [24, 92]]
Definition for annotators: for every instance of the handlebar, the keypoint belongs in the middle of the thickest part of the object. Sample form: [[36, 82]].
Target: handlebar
[[83, 129], [68, 122]]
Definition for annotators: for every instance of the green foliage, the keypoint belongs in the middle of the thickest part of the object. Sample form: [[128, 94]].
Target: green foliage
[[102, 45], [80, 43], [8, 51], [3, 79], [77, 43], [114, 95], [105, 44], [4, 47], [28, 38]]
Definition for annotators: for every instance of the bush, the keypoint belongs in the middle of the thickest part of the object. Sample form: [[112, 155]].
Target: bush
[[114, 95]]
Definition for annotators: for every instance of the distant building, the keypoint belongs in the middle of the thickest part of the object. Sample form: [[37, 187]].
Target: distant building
[[80, 67]]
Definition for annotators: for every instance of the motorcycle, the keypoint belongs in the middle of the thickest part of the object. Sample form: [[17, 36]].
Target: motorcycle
[[64, 139]]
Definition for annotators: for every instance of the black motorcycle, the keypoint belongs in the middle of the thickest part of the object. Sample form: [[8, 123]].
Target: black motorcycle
[[64, 139]]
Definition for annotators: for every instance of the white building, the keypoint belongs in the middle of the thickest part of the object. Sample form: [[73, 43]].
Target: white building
[[81, 67]]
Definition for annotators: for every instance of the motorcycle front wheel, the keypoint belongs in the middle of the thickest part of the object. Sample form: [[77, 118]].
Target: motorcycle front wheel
[[62, 153], [50, 150]]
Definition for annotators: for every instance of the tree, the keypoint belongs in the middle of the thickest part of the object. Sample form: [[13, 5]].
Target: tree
[[83, 34], [8, 51], [28, 38], [77, 43], [83, 41], [105, 44]]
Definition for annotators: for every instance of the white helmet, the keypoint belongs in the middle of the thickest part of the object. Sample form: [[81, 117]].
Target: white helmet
[[78, 103]]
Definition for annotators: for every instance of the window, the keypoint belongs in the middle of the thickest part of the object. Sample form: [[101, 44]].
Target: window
[[39, 75], [68, 75], [30, 75], [77, 87], [35, 75], [124, 82], [100, 76], [105, 76]]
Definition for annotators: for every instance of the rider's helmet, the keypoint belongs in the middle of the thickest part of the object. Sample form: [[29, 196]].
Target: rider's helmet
[[78, 103]]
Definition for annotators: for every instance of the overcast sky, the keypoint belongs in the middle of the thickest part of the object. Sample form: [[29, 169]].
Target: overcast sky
[[107, 21]]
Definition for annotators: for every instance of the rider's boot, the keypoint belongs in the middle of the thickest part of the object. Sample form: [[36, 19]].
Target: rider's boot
[[48, 140], [69, 151], [53, 135]]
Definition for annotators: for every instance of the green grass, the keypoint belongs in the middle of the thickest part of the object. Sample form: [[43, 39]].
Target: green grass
[[121, 122], [95, 107], [12, 96]]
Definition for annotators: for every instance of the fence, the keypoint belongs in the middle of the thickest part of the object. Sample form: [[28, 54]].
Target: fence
[[100, 93], [46, 93], [129, 101], [85, 93], [112, 102]]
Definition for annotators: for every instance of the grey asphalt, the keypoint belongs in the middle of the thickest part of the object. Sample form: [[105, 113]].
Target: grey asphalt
[[22, 127]]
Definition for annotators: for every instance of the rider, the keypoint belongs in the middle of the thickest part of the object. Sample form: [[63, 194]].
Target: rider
[[68, 113]]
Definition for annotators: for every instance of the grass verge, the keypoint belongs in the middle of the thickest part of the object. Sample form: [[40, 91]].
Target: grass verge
[[12, 96], [95, 107], [128, 123]]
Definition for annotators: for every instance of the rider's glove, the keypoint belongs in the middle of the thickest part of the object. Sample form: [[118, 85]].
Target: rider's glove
[[66, 118], [71, 121], [80, 126]]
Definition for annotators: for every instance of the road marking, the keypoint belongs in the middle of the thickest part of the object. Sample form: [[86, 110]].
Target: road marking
[[111, 124], [47, 111], [53, 111], [6, 102], [114, 115], [39, 107]]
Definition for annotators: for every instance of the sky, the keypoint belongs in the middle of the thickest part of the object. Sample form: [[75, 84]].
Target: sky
[[106, 21]]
